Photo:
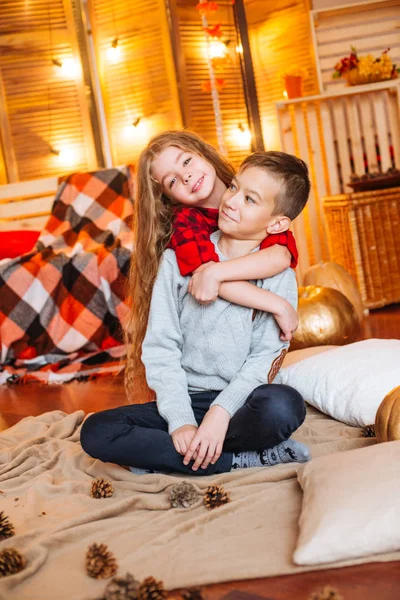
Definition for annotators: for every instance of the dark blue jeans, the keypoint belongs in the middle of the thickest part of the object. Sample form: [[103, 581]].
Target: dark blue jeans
[[136, 435]]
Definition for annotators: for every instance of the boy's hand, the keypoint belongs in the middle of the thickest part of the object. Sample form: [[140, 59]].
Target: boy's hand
[[287, 319], [206, 446], [182, 438], [204, 284]]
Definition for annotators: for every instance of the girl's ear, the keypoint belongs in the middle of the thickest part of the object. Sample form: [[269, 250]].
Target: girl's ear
[[279, 224]]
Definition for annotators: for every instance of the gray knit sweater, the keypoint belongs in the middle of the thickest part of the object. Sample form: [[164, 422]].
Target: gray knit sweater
[[191, 348]]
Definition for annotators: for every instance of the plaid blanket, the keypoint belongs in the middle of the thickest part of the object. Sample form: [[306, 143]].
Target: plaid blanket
[[61, 305]]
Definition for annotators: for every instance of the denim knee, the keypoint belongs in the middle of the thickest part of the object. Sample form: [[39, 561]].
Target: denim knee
[[281, 404], [91, 439]]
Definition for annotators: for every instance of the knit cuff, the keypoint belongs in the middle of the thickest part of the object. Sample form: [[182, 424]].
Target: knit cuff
[[179, 419], [231, 400]]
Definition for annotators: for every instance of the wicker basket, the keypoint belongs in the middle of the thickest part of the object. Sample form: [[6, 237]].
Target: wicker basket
[[364, 237]]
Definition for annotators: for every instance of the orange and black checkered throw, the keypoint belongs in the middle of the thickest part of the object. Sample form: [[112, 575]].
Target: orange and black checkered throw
[[61, 305]]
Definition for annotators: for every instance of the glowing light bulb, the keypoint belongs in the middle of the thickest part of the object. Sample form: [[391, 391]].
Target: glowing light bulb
[[114, 51], [239, 49], [68, 67], [138, 131], [285, 94], [67, 155], [217, 49], [243, 135], [129, 131], [64, 154]]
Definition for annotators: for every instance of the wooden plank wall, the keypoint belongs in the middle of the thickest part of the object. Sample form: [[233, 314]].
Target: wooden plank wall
[[370, 27], [140, 83], [40, 105]]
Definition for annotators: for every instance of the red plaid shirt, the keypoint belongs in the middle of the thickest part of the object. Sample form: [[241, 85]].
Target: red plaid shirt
[[192, 244]]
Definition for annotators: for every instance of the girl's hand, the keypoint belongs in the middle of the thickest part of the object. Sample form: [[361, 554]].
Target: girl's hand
[[182, 438], [287, 319], [206, 446], [204, 284]]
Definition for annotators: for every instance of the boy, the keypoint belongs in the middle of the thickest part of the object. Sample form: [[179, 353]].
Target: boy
[[209, 365]]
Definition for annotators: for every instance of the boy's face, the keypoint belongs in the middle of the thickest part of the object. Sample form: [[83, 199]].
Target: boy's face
[[185, 177], [247, 205]]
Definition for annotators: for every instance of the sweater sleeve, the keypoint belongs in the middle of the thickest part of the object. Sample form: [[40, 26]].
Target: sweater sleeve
[[267, 349], [162, 348]]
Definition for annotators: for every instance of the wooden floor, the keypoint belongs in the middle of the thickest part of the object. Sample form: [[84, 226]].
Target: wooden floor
[[374, 581]]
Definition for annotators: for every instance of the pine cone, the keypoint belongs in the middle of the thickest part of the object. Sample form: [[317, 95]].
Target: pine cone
[[6, 528], [150, 589], [122, 588], [215, 496], [183, 494], [100, 562], [327, 593], [193, 593], [101, 488], [368, 431], [11, 561]]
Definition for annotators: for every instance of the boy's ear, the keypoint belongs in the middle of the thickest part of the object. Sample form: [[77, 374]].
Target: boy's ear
[[279, 224]]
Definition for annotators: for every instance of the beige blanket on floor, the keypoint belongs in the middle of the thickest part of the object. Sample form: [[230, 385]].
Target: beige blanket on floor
[[45, 479]]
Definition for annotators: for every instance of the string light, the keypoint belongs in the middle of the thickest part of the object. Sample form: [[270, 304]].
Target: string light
[[239, 49], [64, 154], [217, 49], [68, 68], [285, 94], [243, 135], [114, 51]]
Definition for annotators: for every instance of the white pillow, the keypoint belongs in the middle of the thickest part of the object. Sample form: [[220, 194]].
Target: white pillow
[[350, 505], [347, 383]]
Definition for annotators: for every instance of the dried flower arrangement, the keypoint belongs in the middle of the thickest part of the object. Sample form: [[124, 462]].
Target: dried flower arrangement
[[363, 69]]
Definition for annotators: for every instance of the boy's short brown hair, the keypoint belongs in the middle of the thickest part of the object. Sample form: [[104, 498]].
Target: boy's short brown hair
[[292, 172]]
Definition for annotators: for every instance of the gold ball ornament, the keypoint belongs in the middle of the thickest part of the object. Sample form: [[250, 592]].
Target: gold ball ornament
[[387, 420], [332, 275], [326, 317]]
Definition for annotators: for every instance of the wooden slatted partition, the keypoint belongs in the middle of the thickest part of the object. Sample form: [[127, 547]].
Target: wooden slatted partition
[[41, 106], [369, 26], [193, 72], [280, 36], [347, 132], [137, 77]]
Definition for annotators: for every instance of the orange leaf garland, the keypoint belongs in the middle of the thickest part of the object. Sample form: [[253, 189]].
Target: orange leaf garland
[[205, 8], [219, 84], [214, 31]]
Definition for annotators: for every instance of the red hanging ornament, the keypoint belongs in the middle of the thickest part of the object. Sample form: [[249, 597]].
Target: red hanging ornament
[[206, 8], [219, 85], [214, 31]]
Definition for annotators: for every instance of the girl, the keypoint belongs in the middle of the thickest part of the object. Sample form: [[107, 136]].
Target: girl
[[180, 183]]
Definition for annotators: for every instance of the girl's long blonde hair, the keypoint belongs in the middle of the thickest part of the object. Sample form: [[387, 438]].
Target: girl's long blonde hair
[[152, 229]]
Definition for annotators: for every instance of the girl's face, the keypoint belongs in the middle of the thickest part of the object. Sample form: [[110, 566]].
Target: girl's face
[[186, 178]]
